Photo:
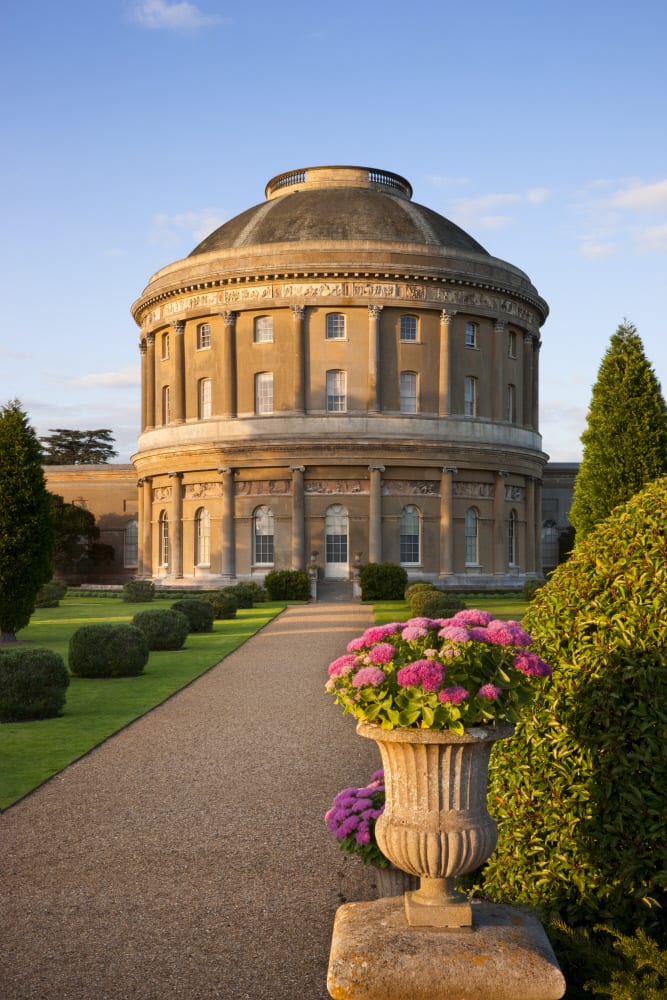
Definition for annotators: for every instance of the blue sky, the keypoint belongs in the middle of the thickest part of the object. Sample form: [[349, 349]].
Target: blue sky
[[132, 128]]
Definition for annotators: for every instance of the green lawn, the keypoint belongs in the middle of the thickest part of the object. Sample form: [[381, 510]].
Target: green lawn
[[31, 752], [501, 605]]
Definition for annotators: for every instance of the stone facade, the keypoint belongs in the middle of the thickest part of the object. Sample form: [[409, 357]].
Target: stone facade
[[337, 372]]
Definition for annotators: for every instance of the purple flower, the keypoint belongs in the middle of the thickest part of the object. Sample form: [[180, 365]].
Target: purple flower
[[508, 634], [472, 616], [426, 674], [455, 633], [411, 632], [490, 692], [368, 676], [377, 776], [426, 623], [479, 634], [343, 666], [453, 695], [363, 837], [382, 653], [532, 665]]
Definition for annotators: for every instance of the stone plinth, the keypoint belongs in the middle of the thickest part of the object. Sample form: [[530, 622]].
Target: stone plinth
[[376, 955]]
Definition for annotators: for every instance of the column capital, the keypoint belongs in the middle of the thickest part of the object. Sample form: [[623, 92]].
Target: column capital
[[499, 325], [179, 326], [298, 312], [374, 311], [297, 468], [452, 469], [502, 473], [142, 346], [150, 339], [175, 475], [528, 338], [228, 317], [225, 470], [376, 468], [447, 315]]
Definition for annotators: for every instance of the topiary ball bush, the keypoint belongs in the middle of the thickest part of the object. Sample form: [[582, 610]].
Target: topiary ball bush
[[382, 582], [108, 650], [414, 588], [199, 614], [50, 594], [164, 628], [245, 597], [224, 604], [441, 605], [138, 591], [580, 791], [33, 684]]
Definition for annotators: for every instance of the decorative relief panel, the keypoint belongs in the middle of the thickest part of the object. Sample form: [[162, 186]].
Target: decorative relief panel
[[410, 488], [479, 491], [198, 491], [517, 493], [162, 493], [262, 487], [332, 486]]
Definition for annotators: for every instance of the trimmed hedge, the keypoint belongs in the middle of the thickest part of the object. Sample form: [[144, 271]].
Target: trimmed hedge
[[138, 591], [108, 650], [164, 628], [50, 594], [441, 605], [287, 585], [382, 582], [199, 614], [33, 684], [224, 604]]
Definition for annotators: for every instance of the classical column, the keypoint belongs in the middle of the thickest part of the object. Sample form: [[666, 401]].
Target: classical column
[[375, 514], [144, 383], [150, 380], [299, 404], [228, 539], [374, 358], [228, 365], [499, 411], [178, 403], [298, 518], [499, 554], [446, 529], [528, 380], [145, 507], [176, 525], [444, 376], [536, 383], [533, 525]]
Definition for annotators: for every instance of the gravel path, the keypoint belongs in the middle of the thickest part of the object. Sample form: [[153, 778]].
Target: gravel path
[[187, 856]]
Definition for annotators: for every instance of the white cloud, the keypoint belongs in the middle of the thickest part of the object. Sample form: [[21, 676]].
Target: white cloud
[[478, 212], [443, 182], [169, 230], [158, 14], [130, 376], [654, 239], [600, 249], [643, 197]]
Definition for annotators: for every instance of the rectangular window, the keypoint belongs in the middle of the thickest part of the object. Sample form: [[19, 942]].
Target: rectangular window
[[511, 403], [408, 392], [470, 396], [408, 329], [335, 326], [264, 330], [471, 335], [336, 392], [203, 336], [511, 344], [165, 346], [264, 392], [205, 398], [166, 404]]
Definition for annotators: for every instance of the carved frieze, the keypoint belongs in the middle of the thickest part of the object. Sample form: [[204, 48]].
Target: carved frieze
[[200, 491], [475, 491], [335, 486], [516, 493], [262, 487], [410, 488], [162, 493]]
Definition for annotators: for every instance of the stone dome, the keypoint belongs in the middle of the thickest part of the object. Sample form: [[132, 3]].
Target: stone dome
[[339, 204]]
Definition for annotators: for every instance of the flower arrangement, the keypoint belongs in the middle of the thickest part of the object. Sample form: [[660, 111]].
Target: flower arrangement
[[352, 818], [446, 673]]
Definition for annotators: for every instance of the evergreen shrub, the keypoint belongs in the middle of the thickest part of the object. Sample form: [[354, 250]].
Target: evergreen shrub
[[287, 585], [49, 594], [108, 650], [138, 591], [416, 587], [164, 628], [224, 604], [33, 684], [442, 605], [530, 588], [245, 596], [199, 614], [382, 582], [580, 791]]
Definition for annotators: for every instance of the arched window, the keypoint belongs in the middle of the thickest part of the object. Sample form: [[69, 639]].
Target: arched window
[[204, 398], [335, 326], [408, 392], [262, 536], [131, 544], [165, 346], [472, 536], [163, 540], [263, 330], [408, 332], [166, 404], [203, 336], [409, 535], [336, 392], [202, 537], [264, 392], [512, 539]]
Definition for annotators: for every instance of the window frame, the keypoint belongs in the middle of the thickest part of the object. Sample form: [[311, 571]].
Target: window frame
[[331, 396], [163, 541], [408, 397], [471, 536], [263, 541], [263, 397], [202, 537], [512, 538], [403, 335], [205, 398], [164, 345], [511, 343], [470, 396], [409, 542], [335, 330], [511, 403], [166, 405], [263, 325], [203, 336], [471, 335]]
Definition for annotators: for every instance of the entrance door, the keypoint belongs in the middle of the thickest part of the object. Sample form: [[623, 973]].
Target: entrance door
[[335, 531]]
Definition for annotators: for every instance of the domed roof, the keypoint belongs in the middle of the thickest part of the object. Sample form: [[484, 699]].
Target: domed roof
[[338, 204]]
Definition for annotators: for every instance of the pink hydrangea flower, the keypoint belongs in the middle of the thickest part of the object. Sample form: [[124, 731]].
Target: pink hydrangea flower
[[490, 692], [426, 674], [426, 623], [372, 676], [453, 695], [532, 665], [342, 666], [479, 634], [382, 653], [508, 633], [356, 645], [473, 616], [455, 633], [411, 632]]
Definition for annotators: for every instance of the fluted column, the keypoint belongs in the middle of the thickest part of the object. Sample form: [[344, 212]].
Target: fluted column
[[528, 380], [178, 404], [444, 375], [299, 403], [145, 507], [298, 518], [446, 528], [499, 411], [228, 365], [499, 557], [176, 525], [533, 524], [375, 514], [374, 358], [228, 537], [150, 380]]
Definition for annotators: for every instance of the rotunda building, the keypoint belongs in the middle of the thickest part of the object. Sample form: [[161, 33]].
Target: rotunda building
[[340, 375]]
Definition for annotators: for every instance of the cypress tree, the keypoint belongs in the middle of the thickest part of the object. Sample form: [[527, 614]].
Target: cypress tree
[[625, 441], [26, 530]]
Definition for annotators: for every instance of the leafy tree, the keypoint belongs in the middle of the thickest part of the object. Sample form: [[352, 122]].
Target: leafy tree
[[76, 548], [68, 447], [26, 527], [625, 441]]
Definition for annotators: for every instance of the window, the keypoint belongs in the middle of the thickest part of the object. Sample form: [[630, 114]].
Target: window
[[409, 535], [511, 403], [165, 346], [264, 330], [511, 539], [471, 334], [202, 537], [163, 539], [470, 396], [203, 336], [335, 539], [471, 537], [131, 544], [408, 390], [511, 344], [262, 534], [408, 329], [264, 392], [335, 326], [204, 397], [336, 392], [166, 405]]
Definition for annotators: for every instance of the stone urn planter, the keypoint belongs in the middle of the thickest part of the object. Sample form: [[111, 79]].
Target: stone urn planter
[[435, 824]]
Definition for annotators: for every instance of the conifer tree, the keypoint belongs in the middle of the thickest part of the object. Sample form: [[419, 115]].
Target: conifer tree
[[62, 446], [26, 530], [625, 441]]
